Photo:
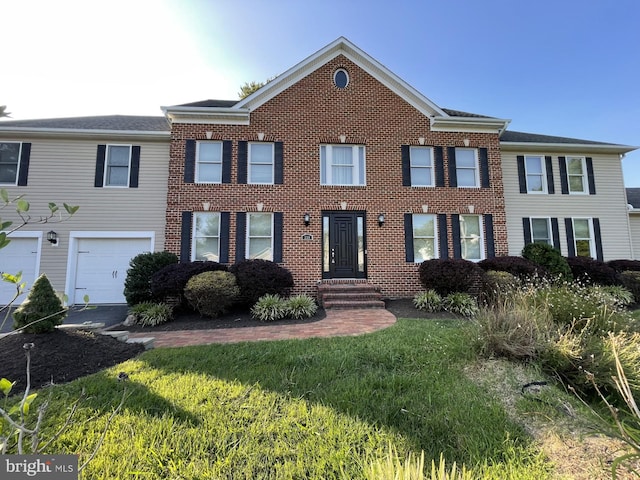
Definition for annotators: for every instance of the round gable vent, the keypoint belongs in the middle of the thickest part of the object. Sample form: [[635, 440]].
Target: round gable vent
[[341, 78]]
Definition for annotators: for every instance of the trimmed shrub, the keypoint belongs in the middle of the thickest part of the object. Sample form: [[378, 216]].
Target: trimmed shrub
[[460, 304], [300, 306], [497, 284], [447, 276], [269, 308], [548, 257], [428, 301], [592, 272], [151, 314], [212, 293], [259, 277], [517, 266], [137, 285], [631, 281], [172, 279], [625, 265], [42, 306]]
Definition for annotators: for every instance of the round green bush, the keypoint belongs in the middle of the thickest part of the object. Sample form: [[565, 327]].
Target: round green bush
[[447, 276], [631, 281], [498, 284], [258, 277], [548, 257], [42, 310], [137, 285], [171, 280], [212, 293]]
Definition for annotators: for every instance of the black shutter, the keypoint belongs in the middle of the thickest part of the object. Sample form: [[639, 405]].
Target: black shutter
[[439, 166], [224, 237], [488, 235], [590, 176], [549, 168], [522, 176], [564, 182], [526, 228], [406, 167], [598, 239], [278, 163], [277, 236], [100, 159], [185, 238], [455, 233], [555, 231], [443, 238], [23, 168], [134, 173], [241, 234], [453, 177], [226, 161], [242, 161], [190, 161], [408, 237], [571, 247], [485, 181]]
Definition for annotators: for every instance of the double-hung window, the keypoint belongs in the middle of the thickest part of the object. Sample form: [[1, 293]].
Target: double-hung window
[[260, 236], [261, 160], [471, 239], [467, 174], [541, 231], [536, 174], [583, 237], [209, 162], [206, 236], [9, 161], [421, 159], [117, 165], [576, 175], [342, 165], [425, 232]]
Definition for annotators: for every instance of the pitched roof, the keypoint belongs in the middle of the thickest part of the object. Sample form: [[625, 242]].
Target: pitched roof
[[633, 197], [211, 103], [523, 137], [106, 122]]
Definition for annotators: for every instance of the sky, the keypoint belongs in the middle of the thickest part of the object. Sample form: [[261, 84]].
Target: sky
[[557, 67]]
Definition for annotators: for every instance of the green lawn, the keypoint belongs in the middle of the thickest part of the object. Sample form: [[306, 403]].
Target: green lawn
[[317, 408]]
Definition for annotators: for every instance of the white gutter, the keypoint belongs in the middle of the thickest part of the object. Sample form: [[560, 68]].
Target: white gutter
[[469, 124], [207, 115], [83, 132], [569, 147]]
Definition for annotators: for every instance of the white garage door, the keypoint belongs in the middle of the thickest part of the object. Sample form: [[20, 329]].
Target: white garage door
[[101, 267], [20, 255]]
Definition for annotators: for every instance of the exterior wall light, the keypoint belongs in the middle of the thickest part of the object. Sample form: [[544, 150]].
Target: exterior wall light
[[53, 238], [381, 219], [307, 219]]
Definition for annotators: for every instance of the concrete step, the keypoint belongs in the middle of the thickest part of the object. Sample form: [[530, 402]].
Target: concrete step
[[147, 342], [121, 335], [92, 326]]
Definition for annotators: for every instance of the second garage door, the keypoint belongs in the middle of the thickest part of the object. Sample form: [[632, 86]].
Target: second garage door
[[20, 255], [101, 267]]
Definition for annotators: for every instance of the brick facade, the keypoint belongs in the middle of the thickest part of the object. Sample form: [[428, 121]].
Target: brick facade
[[312, 112]]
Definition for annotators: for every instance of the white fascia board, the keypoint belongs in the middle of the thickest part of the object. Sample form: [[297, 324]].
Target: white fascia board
[[207, 115], [566, 147], [342, 46], [469, 124], [10, 132]]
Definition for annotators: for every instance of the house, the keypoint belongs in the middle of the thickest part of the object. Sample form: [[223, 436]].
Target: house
[[337, 169], [115, 168]]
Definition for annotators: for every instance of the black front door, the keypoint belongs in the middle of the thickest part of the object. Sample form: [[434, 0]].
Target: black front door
[[343, 245]]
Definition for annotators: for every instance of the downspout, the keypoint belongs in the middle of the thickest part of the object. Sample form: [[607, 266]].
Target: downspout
[[629, 208]]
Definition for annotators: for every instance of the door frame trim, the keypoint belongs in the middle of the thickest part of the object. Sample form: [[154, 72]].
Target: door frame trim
[[356, 213]]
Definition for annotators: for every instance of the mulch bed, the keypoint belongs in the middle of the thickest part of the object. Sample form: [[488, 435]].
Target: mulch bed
[[65, 355]]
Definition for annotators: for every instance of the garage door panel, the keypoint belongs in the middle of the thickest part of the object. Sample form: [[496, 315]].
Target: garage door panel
[[20, 255], [102, 265]]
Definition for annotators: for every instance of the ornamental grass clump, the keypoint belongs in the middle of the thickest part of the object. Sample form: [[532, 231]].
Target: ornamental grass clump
[[460, 304], [269, 308], [149, 314], [428, 301], [300, 306]]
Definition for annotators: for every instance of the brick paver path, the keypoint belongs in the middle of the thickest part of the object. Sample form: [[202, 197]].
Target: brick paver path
[[336, 323]]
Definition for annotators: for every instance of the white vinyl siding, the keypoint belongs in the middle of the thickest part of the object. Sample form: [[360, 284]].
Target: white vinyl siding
[[342, 165], [206, 237], [260, 236], [425, 234], [209, 162], [421, 163], [467, 173], [536, 174]]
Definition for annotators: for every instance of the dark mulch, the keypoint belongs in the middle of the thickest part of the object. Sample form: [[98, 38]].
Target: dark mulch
[[65, 355]]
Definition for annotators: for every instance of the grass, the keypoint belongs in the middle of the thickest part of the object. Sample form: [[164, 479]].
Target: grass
[[317, 408]]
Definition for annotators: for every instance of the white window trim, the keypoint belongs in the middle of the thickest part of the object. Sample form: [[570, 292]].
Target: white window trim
[[15, 182], [543, 174], [355, 155], [198, 162], [481, 229], [436, 246], [106, 165], [585, 179], [248, 237], [476, 168], [193, 234], [431, 168], [549, 228], [592, 237], [250, 163]]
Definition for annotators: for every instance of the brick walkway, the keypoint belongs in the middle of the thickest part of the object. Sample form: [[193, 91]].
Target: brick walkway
[[336, 323]]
